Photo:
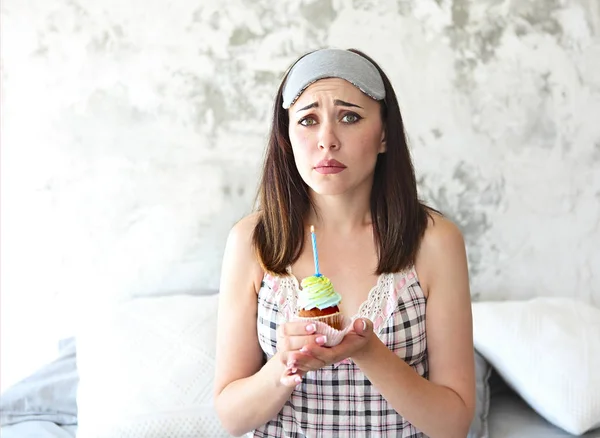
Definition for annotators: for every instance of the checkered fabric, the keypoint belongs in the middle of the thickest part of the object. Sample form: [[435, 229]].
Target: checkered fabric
[[338, 400]]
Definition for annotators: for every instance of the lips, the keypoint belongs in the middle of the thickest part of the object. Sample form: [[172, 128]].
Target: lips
[[329, 166]]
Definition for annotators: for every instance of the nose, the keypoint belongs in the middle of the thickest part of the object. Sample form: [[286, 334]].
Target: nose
[[328, 138]]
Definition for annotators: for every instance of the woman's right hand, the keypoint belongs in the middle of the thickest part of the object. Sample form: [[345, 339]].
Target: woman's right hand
[[291, 337]]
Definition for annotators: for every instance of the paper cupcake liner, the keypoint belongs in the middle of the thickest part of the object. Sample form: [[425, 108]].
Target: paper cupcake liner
[[333, 319], [334, 337]]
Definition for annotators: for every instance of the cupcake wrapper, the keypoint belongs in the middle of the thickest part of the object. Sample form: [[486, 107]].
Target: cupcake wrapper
[[334, 337]]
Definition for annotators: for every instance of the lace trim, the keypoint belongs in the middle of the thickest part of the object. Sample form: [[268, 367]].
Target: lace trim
[[380, 304], [287, 298], [383, 298]]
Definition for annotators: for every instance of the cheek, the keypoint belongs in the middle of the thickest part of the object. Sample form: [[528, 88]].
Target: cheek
[[369, 144], [302, 161], [301, 148]]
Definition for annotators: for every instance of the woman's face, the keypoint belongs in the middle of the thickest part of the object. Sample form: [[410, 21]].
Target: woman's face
[[336, 133]]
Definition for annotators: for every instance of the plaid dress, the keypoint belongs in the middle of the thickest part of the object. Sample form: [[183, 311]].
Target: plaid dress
[[338, 400]]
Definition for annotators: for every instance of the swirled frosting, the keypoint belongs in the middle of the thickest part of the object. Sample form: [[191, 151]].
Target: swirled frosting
[[317, 292]]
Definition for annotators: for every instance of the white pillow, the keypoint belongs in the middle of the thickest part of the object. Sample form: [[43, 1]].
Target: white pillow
[[146, 369], [548, 350]]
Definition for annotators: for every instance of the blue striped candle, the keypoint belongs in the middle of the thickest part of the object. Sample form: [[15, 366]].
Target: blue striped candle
[[315, 253]]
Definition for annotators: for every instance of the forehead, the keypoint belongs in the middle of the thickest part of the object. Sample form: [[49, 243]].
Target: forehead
[[332, 88]]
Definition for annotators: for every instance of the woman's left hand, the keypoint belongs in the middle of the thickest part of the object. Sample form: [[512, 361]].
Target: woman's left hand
[[312, 356]]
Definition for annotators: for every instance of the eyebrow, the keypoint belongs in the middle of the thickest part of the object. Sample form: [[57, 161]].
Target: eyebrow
[[336, 102]]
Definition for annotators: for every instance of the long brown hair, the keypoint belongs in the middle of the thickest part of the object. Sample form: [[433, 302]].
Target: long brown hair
[[283, 201]]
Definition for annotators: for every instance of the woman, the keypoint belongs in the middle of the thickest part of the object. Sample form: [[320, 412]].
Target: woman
[[337, 159]]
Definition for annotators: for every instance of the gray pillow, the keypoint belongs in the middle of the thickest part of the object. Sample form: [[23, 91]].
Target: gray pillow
[[479, 425], [47, 395]]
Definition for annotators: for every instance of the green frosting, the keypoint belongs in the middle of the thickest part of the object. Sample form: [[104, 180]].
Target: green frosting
[[317, 292]]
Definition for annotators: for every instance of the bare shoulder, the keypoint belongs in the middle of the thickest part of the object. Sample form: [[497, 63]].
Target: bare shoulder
[[441, 235], [442, 248], [241, 232], [240, 255]]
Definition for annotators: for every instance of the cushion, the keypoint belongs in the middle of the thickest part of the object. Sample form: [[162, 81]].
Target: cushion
[[47, 395], [548, 351], [479, 425], [146, 369], [511, 417]]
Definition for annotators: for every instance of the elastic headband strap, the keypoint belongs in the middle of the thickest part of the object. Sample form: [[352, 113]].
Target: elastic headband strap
[[332, 63]]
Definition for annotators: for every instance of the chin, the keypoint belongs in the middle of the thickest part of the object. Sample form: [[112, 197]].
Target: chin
[[338, 186], [329, 189]]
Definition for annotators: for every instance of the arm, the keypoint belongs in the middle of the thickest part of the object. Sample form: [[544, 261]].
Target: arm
[[247, 393], [442, 406]]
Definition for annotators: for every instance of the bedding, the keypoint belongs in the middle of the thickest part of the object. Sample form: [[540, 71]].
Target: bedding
[[38, 429], [44, 404], [146, 369], [511, 417], [479, 425], [48, 395], [548, 350]]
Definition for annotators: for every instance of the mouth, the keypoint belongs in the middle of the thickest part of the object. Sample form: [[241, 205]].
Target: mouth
[[329, 166]]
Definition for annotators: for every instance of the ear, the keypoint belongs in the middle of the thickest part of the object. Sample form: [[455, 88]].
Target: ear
[[383, 144]]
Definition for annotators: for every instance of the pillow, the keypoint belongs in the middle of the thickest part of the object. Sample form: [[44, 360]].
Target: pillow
[[479, 425], [548, 351], [168, 292], [47, 395], [146, 369]]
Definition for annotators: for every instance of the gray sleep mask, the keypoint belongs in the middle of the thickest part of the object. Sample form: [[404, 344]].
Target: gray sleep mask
[[332, 63]]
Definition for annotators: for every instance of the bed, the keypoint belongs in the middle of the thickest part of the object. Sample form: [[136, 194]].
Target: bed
[[44, 405]]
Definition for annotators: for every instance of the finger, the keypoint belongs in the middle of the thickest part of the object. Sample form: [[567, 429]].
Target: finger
[[293, 343], [286, 360], [304, 362], [362, 326], [290, 379], [290, 329], [283, 344], [296, 328], [314, 350], [295, 360], [311, 365], [323, 355]]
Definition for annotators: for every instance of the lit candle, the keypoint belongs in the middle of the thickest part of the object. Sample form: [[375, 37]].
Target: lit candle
[[315, 253]]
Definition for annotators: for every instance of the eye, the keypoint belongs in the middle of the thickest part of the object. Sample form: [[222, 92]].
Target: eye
[[351, 118], [307, 121]]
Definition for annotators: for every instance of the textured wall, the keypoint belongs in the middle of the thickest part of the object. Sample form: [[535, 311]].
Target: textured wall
[[133, 132]]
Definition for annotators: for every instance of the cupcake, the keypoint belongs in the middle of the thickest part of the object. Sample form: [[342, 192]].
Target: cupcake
[[318, 301]]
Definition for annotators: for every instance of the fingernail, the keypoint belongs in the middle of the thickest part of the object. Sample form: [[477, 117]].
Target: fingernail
[[311, 328], [304, 349], [321, 340], [294, 370], [364, 325], [291, 363], [298, 379]]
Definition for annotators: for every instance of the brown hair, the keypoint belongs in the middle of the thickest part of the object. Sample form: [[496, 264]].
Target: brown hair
[[283, 201]]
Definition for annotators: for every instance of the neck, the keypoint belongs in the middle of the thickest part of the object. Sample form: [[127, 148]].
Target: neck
[[341, 214]]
